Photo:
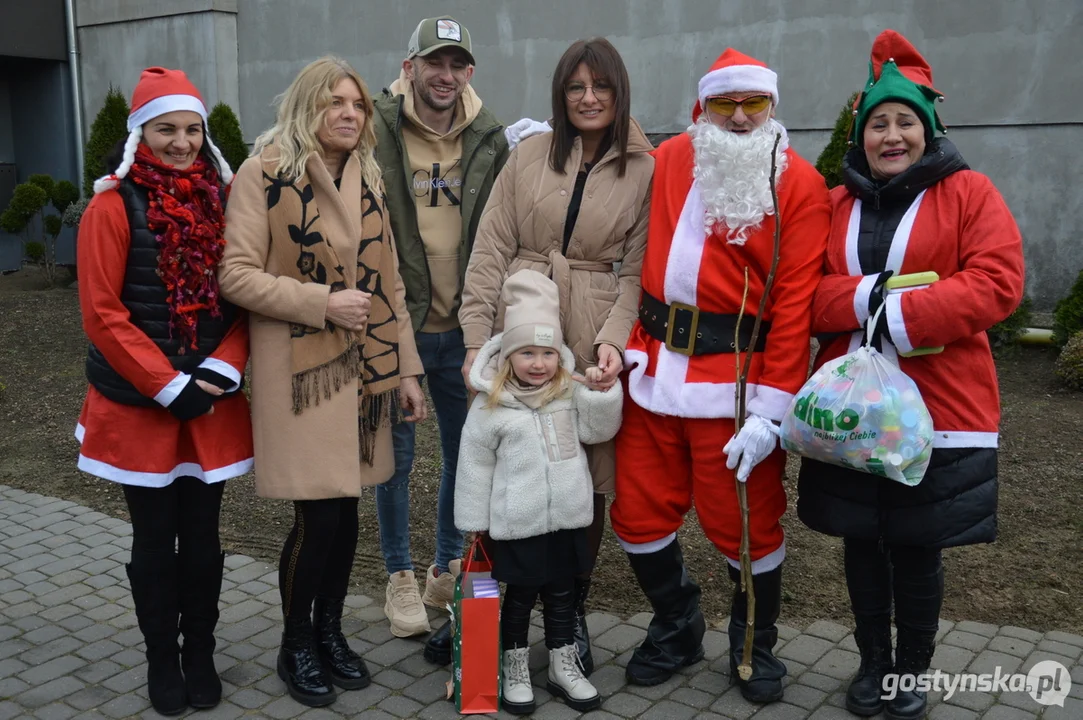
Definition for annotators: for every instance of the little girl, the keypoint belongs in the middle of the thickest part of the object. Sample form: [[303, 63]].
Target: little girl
[[523, 479]]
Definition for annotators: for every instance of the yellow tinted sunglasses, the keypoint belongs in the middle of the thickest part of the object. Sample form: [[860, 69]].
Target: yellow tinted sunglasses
[[720, 105]]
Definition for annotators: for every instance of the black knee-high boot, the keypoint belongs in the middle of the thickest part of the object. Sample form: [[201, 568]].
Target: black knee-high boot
[[153, 576], [765, 685], [675, 634], [201, 585], [868, 580], [919, 591]]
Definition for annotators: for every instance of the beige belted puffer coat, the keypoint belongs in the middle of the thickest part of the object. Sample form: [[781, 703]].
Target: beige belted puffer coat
[[523, 227]]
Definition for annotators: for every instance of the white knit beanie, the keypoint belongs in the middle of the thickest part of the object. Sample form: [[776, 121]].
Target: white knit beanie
[[531, 313]]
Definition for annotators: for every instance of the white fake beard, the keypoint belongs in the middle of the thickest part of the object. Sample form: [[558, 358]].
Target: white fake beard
[[732, 171]]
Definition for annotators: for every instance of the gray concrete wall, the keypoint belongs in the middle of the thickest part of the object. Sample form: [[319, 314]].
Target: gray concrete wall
[[33, 29], [116, 47], [1009, 69]]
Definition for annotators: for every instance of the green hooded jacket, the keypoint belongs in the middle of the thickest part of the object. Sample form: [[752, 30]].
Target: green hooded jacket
[[485, 150]]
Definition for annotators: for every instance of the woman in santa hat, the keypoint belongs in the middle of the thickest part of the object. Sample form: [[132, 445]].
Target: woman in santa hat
[[163, 414], [910, 204]]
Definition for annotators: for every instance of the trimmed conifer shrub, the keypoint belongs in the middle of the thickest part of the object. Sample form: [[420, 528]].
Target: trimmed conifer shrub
[[830, 161], [110, 127]]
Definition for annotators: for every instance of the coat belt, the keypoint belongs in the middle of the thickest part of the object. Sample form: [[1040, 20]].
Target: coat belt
[[560, 271]]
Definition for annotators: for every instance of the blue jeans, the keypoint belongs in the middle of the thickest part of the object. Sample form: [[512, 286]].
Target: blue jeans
[[442, 356]]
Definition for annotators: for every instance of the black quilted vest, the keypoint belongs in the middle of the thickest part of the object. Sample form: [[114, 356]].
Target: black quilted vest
[[144, 294]]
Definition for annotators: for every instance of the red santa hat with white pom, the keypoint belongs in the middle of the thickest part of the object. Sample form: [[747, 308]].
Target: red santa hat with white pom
[[735, 72], [160, 91]]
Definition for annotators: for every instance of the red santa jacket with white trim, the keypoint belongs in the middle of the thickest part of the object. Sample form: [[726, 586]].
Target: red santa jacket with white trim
[[147, 445], [685, 264], [961, 229]]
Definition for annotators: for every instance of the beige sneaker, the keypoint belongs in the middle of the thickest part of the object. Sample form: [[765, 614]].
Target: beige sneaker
[[440, 590], [403, 606]]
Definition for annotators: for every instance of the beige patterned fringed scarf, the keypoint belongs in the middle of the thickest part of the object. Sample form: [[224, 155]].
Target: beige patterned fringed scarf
[[323, 360]]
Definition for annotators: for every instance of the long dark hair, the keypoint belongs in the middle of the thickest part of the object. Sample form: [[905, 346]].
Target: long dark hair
[[605, 63]]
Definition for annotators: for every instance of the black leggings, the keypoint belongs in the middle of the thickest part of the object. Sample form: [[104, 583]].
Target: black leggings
[[181, 516], [912, 576], [558, 600], [318, 554]]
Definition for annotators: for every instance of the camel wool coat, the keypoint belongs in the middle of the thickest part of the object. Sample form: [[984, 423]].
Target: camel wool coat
[[523, 227], [316, 454]]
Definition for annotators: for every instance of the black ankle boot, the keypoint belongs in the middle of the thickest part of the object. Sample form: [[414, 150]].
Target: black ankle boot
[[582, 636], [347, 669], [873, 637], [200, 587], [912, 657], [438, 646], [153, 576], [765, 685], [300, 668], [675, 634]]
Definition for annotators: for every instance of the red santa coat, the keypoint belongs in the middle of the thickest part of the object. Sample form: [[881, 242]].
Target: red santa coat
[[961, 229], [146, 445], [685, 264], [666, 464]]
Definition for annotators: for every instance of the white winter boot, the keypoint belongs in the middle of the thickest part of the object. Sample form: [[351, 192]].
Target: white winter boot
[[566, 680], [518, 695]]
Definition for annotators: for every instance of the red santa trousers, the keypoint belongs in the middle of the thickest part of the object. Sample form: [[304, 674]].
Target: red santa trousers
[[666, 463]]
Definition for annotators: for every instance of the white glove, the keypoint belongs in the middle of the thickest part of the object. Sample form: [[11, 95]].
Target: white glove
[[523, 129], [758, 439]]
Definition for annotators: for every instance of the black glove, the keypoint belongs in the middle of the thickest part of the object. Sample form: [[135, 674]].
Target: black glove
[[214, 378], [192, 402], [876, 297]]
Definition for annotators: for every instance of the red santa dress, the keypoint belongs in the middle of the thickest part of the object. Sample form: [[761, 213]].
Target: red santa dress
[[147, 446], [679, 411]]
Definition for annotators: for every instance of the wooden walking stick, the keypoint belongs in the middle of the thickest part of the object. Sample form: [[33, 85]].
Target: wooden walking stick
[[745, 668]]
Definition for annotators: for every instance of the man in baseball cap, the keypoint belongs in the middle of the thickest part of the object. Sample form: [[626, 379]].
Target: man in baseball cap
[[440, 150], [432, 34]]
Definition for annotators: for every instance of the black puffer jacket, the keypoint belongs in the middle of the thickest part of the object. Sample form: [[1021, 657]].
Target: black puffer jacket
[[144, 295], [956, 501]]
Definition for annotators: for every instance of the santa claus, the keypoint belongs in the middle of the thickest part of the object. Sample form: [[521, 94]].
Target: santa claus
[[712, 225]]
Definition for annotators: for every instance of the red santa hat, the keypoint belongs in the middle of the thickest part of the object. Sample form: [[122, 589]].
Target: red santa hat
[[160, 91], [735, 72]]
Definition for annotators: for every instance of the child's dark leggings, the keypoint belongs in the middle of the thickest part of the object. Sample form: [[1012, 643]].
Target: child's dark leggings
[[558, 599]]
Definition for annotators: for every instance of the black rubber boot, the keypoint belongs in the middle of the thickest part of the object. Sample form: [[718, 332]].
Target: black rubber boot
[[675, 634], [347, 669], [582, 635], [765, 685], [438, 646], [299, 666], [873, 637], [201, 584], [912, 657], [153, 576]]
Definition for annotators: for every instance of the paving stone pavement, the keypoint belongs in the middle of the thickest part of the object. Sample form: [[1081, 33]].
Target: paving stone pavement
[[70, 648]]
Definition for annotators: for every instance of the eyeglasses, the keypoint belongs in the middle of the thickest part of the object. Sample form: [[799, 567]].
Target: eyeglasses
[[728, 106], [577, 91]]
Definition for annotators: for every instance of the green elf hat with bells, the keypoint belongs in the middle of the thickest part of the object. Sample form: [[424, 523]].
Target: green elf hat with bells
[[897, 73]]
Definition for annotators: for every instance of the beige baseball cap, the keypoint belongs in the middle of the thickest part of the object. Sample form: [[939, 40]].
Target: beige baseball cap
[[431, 34]]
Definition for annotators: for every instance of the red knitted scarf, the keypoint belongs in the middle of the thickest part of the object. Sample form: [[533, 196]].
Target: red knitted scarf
[[186, 215]]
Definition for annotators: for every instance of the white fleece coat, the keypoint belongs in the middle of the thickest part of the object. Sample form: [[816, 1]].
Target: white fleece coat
[[523, 472]]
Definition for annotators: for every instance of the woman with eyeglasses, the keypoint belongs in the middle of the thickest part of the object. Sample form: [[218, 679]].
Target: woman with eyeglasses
[[910, 205], [573, 204]]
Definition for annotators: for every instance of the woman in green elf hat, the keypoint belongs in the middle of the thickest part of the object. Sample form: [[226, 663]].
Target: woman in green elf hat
[[911, 205]]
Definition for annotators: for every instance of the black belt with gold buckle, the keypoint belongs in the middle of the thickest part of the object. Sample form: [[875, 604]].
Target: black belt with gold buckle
[[687, 330]]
